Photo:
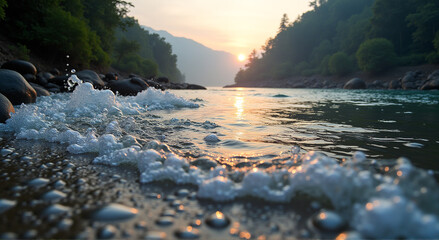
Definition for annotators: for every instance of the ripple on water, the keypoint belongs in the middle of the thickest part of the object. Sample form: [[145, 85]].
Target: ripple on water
[[414, 145]]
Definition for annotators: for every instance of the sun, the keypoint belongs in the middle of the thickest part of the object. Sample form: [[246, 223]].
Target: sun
[[241, 57]]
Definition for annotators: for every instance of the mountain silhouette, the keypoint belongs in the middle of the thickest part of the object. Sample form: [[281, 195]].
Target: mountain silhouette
[[200, 64]]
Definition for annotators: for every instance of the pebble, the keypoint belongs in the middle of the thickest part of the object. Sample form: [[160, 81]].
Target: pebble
[[107, 232], [155, 235], [165, 221], [187, 233], [6, 204], [217, 220], [114, 212], [38, 182], [54, 195]]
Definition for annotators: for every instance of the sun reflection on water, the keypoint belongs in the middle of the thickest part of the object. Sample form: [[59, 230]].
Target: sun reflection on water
[[239, 105]]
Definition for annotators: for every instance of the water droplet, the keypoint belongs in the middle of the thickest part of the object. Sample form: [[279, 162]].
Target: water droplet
[[182, 192], [187, 233], [73, 71], [67, 64], [169, 213], [114, 212], [67, 56], [218, 220], [328, 221], [6, 151]]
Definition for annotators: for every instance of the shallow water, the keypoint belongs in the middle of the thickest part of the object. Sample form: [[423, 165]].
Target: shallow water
[[299, 152]]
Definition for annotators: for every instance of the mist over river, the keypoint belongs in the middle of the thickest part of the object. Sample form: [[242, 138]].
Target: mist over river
[[222, 163]]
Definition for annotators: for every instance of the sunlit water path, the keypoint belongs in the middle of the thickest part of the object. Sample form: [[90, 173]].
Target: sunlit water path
[[339, 149]]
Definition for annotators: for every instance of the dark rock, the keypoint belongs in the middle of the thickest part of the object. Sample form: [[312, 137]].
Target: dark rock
[[5, 108], [195, 87], [29, 77], [43, 78], [432, 81], [110, 77], [20, 66], [162, 80], [377, 84], [41, 91], [394, 84], [128, 87], [60, 82], [355, 83], [16, 88], [91, 77], [411, 80], [55, 72], [155, 84]]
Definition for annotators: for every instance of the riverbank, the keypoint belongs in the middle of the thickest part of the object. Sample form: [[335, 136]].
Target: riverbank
[[391, 79]]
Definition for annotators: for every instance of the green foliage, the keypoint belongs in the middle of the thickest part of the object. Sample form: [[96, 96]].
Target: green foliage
[[339, 64], [134, 40], [3, 5], [425, 22], [376, 55], [436, 41], [20, 51], [412, 59]]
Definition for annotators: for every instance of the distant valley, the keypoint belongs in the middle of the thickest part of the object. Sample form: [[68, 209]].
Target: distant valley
[[200, 64]]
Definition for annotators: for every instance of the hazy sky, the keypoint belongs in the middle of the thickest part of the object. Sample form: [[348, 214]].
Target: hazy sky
[[235, 26]]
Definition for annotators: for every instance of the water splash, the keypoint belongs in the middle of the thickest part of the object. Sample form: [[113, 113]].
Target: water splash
[[73, 81]]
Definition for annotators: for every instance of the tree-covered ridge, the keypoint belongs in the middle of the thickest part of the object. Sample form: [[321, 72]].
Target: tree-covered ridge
[[90, 32], [327, 40]]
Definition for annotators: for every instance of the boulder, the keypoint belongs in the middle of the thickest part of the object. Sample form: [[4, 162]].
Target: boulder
[[5, 108], [412, 80], [162, 80], [377, 84], [43, 78], [195, 87], [55, 72], [355, 83], [155, 85], [128, 87], [20, 66], [91, 77], [432, 81], [16, 88], [111, 77], [394, 84], [29, 77], [41, 91], [430, 85]]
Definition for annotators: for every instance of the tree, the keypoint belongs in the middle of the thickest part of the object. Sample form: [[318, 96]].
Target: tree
[[339, 64], [425, 22], [376, 55], [124, 47], [284, 23], [3, 5]]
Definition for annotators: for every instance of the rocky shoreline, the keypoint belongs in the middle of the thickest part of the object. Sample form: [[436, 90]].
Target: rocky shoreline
[[406, 78], [21, 82]]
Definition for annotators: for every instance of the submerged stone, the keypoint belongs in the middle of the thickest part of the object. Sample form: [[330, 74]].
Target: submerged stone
[[114, 212], [218, 220]]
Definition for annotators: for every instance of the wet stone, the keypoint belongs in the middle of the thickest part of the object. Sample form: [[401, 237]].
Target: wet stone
[[38, 182], [217, 220], [168, 213], [187, 233], [107, 232], [54, 195], [165, 221], [154, 235], [182, 192], [328, 221], [56, 210], [6, 204], [114, 212]]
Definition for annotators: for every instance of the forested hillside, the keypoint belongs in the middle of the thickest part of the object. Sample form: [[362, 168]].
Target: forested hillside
[[91, 32], [341, 36]]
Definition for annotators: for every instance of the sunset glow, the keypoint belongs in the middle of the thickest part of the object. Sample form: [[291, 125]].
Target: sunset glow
[[241, 57]]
